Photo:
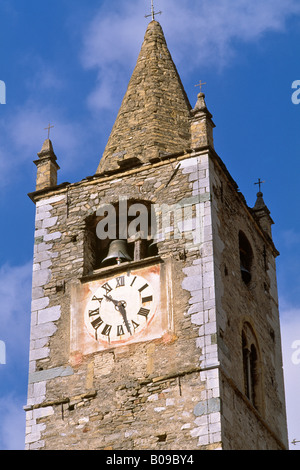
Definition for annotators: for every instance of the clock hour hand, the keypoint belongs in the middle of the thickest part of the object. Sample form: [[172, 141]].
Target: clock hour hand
[[120, 306], [110, 299], [117, 303]]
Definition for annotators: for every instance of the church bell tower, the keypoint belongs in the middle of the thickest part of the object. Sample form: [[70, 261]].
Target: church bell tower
[[155, 320]]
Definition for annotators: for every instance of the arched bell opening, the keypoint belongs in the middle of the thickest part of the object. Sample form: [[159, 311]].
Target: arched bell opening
[[118, 233]]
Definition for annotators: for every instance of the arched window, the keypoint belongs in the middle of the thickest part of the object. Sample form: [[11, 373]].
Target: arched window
[[118, 233], [251, 367], [246, 257]]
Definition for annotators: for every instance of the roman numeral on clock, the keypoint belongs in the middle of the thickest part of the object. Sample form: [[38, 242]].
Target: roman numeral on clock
[[134, 324], [97, 298], [107, 287], [93, 313], [120, 281], [97, 323], [142, 288], [144, 312], [106, 330], [147, 299], [120, 330]]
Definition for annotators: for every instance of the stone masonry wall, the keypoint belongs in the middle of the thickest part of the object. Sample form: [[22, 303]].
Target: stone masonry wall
[[255, 303], [161, 394]]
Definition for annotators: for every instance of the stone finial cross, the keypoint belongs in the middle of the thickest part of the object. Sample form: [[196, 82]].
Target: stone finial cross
[[200, 84], [48, 128], [153, 13], [260, 182]]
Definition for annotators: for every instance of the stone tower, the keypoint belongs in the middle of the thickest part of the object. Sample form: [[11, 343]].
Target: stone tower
[[155, 319]]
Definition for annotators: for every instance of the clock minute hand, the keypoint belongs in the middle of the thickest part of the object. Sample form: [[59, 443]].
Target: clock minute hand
[[122, 310]]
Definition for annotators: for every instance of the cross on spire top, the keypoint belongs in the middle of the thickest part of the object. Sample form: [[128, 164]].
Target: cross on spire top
[[200, 84], [153, 13], [48, 128], [260, 182]]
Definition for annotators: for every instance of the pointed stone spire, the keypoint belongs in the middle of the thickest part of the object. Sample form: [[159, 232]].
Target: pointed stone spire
[[46, 167], [262, 213], [154, 118], [202, 125]]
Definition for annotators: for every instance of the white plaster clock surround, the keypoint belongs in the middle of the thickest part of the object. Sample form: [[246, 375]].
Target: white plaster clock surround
[[121, 307]]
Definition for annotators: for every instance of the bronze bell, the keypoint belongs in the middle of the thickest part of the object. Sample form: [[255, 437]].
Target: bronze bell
[[117, 253]]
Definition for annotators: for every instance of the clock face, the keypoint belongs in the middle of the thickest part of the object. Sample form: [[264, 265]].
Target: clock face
[[120, 309]]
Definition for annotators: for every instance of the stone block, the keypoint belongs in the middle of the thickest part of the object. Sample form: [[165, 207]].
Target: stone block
[[49, 222], [41, 215], [201, 408], [41, 277], [37, 354], [52, 236], [37, 293], [203, 440], [45, 330], [40, 303], [197, 319], [50, 200], [192, 283], [43, 256], [195, 308], [50, 314], [43, 412], [45, 375]]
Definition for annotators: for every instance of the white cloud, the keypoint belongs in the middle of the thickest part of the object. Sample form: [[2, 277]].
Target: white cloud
[[198, 34], [110, 45], [15, 290], [27, 128], [41, 74], [12, 423], [113, 37], [15, 294], [208, 31], [46, 76], [23, 134]]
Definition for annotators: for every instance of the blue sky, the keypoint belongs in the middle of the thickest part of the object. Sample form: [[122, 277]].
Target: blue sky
[[69, 63]]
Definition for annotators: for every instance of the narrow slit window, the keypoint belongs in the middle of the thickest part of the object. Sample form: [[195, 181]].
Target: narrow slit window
[[246, 258]]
